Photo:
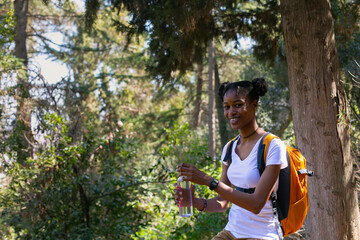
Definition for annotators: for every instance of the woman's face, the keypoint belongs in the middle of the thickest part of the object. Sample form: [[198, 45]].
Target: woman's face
[[238, 110]]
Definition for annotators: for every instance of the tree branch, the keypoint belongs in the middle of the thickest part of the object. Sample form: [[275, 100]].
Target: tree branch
[[46, 40], [126, 186], [57, 17]]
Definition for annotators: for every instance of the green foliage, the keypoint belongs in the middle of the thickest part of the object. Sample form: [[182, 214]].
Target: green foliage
[[7, 25], [353, 90], [180, 31], [355, 131], [8, 63], [182, 145], [107, 172], [78, 191]]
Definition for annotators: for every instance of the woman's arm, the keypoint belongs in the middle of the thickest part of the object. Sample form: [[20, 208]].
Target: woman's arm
[[218, 203], [251, 202], [256, 201]]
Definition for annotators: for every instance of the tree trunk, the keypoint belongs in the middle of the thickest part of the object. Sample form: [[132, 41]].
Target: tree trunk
[[23, 121], [321, 118], [284, 118], [21, 8], [222, 122], [197, 109], [211, 112]]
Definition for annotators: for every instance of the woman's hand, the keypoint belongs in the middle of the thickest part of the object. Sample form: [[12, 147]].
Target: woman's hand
[[178, 193], [192, 174]]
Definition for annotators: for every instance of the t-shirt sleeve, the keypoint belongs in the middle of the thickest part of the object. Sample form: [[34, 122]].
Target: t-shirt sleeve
[[277, 153]]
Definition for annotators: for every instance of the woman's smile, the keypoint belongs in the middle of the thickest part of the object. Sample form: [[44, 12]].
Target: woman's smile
[[234, 120]]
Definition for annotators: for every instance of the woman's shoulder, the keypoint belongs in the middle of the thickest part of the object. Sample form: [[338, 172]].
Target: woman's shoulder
[[277, 144], [276, 141], [277, 152]]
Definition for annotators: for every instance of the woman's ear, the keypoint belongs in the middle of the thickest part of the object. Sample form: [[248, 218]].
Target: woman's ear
[[255, 104]]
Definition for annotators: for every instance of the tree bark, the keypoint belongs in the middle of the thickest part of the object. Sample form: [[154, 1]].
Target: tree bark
[[211, 112], [23, 121], [199, 84], [222, 122], [21, 8], [284, 118], [321, 118]]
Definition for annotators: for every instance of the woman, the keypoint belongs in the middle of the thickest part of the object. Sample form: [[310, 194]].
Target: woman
[[251, 215]]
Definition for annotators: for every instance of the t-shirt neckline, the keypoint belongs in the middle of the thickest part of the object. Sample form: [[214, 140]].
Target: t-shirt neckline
[[235, 144]]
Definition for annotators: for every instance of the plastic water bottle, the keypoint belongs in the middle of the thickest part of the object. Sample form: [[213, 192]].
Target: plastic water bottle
[[186, 205]]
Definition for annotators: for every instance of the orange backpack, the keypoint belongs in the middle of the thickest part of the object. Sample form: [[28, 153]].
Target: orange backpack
[[291, 202]]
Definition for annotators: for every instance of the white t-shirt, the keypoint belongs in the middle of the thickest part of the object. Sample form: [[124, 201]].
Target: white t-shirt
[[245, 174]]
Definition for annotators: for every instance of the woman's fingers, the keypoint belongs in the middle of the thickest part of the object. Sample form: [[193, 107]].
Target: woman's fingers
[[177, 194], [185, 168], [192, 174]]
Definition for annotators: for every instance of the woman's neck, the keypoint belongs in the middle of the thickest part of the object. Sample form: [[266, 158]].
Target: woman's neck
[[249, 130], [249, 135]]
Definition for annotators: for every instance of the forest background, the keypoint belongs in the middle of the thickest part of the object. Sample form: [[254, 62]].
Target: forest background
[[92, 156]]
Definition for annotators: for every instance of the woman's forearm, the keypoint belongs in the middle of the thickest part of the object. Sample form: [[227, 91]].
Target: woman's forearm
[[256, 201], [216, 204]]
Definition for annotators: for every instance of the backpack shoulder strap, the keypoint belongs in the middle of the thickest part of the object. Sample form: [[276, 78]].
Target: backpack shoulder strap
[[262, 151], [227, 157], [261, 159]]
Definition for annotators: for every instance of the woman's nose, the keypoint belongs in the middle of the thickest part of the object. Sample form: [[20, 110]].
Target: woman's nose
[[232, 111]]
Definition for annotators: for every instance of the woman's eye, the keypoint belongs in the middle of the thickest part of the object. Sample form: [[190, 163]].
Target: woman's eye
[[238, 105], [226, 107]]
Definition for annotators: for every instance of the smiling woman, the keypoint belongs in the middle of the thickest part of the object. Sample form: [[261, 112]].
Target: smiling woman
[[251, 215], [240, 100]]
